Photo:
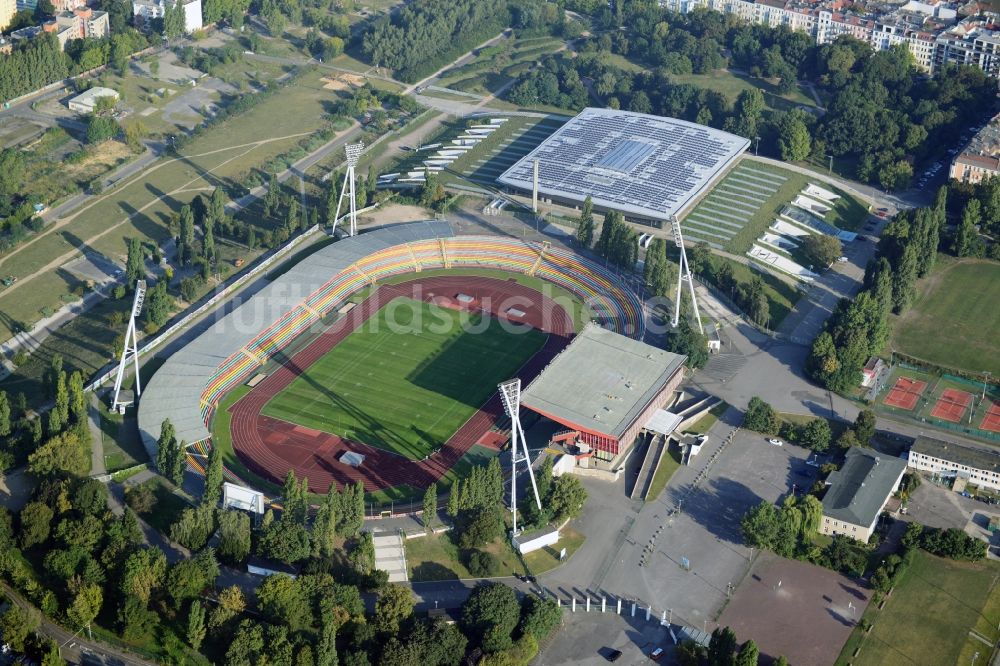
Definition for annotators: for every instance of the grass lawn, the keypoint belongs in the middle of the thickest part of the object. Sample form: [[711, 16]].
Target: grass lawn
[[669, 464], [731, 84], [928, 618], [407, 379], [948, 324], [781, 296], [705, 423], [142, 207], [438, 557], [120, 437], [748, 200], [168, 506]]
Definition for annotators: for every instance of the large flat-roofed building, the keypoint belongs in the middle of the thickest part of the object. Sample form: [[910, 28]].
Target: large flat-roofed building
[[86, 101], [648, 167], [606, 387], [858, 493], [951, 461]]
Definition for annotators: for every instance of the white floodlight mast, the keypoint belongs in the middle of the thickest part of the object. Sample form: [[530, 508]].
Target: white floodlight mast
[[510, 391], [130, 350], [353, 151], [683, 275]]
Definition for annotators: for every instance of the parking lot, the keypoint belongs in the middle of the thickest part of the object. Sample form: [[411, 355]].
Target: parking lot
[[943, 508], [697, 554], [589, 638]]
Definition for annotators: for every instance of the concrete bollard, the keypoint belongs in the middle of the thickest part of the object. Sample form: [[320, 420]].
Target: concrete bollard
[[648, 609], [558, 602], [603, 604], [574, 604], [619, 611], [633, 609], [664, 618], [588, 603]]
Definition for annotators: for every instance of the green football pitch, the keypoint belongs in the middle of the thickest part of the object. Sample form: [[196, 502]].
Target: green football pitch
[[406, 379]]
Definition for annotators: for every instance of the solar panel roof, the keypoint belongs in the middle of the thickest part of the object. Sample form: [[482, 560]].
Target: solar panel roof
[[640, 164]]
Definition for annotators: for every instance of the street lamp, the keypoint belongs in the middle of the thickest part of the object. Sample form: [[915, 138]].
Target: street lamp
[[830, 168], [756, 145], [986, 379]]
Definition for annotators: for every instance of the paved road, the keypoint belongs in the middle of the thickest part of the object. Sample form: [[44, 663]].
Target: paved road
[[75, 647]]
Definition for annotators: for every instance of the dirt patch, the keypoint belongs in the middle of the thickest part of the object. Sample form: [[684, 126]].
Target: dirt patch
[[105, 154], [395, 214], [342, 81]]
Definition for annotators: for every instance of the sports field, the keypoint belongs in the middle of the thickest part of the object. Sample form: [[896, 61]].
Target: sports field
[[954, 318], [406, 379], [931, 616]]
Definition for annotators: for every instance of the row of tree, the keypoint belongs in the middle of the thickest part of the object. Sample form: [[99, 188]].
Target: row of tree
[[859, 328]]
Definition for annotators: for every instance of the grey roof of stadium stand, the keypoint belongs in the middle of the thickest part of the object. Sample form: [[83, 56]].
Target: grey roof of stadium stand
[[175, 390], [622, 376], [859, 489], [646, 165]]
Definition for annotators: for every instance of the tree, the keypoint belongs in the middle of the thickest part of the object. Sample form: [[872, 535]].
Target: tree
[[16, 625], [4, 414], [213, 478], [966, 236], [36, 518], [231, 604], [688, 342], [189, 578], [86, 605], [62, 398], [77, 398], [135, 264], [761, 417], [567, 498], [482, 527], [326, 647], [100, 129], [864, 426], [721, 647], [658, 272], [282, 600], [362, 557], [760, 526], [234, 536], [393, 606], [284, 540], [794, 141], [453, 495], [430, 506], [748, 655], [173, 20], [585, 224], [822, 250], [490, 615], [142, 573], [196, 625], [539, 617], [324, 529], [61, 454], [904, 277], [816, 435]]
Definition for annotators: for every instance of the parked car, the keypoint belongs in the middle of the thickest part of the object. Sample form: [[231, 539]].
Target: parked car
[[645, 243], [656, 654], [614, 655], [774, 441]]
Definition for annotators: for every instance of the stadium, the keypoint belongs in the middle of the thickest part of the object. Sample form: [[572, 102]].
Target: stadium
[[650, 168], [376, 359]]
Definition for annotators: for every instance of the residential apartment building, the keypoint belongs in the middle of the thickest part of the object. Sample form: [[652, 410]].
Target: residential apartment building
[[147, 10], [930, 30], [81, 23], [956, 462], [981, 156], [858, 492]]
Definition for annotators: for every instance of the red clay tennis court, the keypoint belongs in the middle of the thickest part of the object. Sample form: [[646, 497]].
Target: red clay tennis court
[[905, 393], [951, 405], [991, 421]]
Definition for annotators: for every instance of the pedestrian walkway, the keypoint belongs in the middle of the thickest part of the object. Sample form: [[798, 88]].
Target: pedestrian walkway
[[390, 555]]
